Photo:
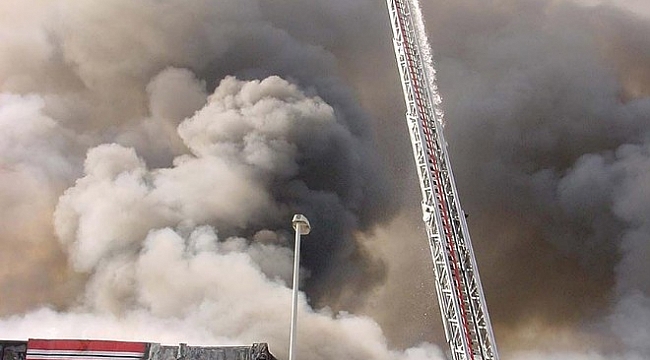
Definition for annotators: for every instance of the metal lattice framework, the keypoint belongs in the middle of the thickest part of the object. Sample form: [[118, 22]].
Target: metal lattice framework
[[460, 295]]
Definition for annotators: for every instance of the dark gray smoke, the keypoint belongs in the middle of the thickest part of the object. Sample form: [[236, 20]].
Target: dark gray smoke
[[548, 124], [152, 154]]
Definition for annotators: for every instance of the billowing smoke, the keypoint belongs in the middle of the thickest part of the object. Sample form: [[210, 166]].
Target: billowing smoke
[[252, 149], [548, 126], [153, 153]]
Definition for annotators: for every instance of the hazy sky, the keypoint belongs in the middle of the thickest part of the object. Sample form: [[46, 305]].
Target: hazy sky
[[152, 154]]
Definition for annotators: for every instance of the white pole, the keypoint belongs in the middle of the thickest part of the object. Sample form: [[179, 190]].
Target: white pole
[[302, 227], [294, 303]]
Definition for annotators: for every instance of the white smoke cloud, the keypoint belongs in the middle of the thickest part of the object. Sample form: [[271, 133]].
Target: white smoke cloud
[[148, 241], [132, 81], [35, 165], [166, 232]]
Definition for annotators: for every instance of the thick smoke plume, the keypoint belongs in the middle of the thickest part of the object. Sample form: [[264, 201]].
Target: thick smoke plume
[[547, 119], [153, 152], [144, 183]]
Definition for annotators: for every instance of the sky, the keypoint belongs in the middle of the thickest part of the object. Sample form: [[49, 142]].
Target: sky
[[153, 153]]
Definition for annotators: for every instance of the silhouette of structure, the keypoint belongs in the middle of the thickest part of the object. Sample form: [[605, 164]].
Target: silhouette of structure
[[41, 349]]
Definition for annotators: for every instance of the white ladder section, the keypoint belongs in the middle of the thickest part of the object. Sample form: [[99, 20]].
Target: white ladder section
[[460, 295]]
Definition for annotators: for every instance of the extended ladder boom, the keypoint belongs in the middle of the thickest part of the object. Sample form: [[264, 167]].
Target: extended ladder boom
[[460, 295]]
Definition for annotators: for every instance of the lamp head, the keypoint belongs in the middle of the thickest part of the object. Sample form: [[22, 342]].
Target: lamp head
[[301, 224]]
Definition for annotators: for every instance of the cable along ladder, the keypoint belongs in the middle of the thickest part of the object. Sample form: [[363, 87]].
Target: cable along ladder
[[460, 294]]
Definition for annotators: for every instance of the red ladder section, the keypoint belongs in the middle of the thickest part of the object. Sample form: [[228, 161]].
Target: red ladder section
[[467, 324], [431, 144]]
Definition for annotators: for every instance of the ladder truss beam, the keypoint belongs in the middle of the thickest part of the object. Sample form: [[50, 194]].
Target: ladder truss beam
[[460, 295]]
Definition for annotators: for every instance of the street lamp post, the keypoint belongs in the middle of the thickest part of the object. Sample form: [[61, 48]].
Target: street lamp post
[[302, 227]]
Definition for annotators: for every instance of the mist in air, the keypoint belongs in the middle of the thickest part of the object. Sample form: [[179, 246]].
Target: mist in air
[[153, 153]]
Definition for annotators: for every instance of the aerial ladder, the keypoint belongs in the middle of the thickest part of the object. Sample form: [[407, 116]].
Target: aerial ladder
[[465, 317]]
